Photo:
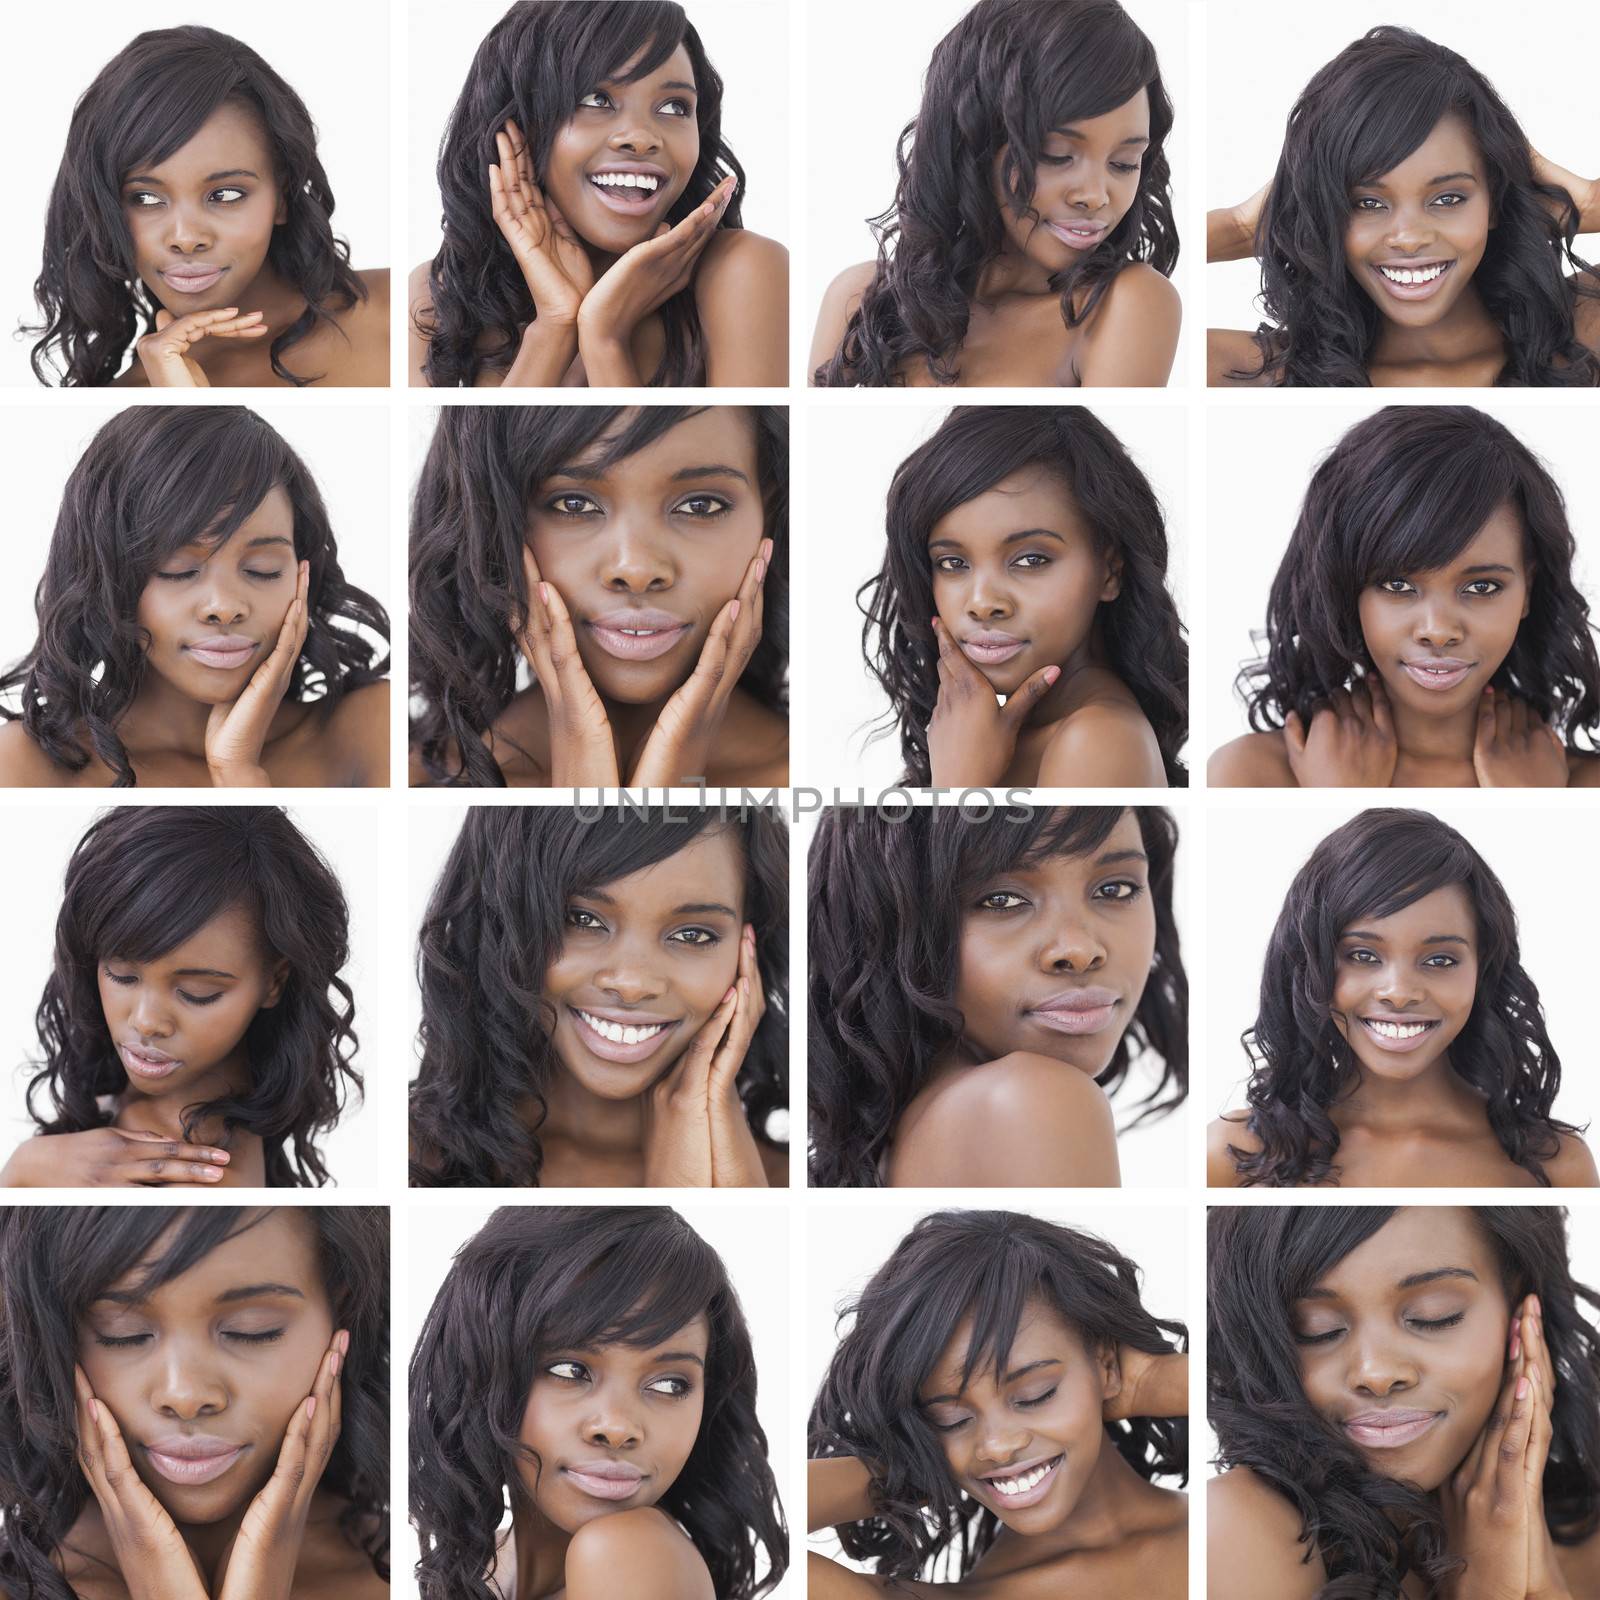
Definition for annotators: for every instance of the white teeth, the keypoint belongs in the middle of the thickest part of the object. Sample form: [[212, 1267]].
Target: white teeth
[[1022, 1485], [626, 180], [1407, 275], [1397, 1030], [617, 1034]]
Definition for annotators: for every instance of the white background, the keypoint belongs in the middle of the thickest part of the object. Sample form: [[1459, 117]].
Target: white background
[[334, 57], [1257, 69], [743, 40], [345, 448], [1260, 468], [355, 1156], [867, 66]]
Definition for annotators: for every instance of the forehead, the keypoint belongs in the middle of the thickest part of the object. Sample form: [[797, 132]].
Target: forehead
[[693, 1338], [709, 869], [229, 141], [275, 1250], [230, 942], [272, 519], [1446, 910], [1028, 499], [677, 68], [1042, 1335], [717, 436], [1124, 840], [1415, 1239], [1123, 124], [1448, 148], [1498, 542]]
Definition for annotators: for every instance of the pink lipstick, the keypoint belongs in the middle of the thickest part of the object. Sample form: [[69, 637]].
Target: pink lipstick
[[192, 280], [1388, 1430], [192, 1458], [144, 1062], [637, 634], [989, 646], [1077, 1010], [605, 1480], [1437, 672], [225, 652]]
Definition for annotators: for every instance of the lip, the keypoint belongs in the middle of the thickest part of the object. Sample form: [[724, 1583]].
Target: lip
[[605, 1480], [1424, 671], [628, 202], [1389, 1430], [147, 1064], [609, 1049], [989, 647], [1399, 1046], [1019, 1502], [226, 652], [1077, 1010], [1412, 291], [637, 635], [1079, 235], [189, 282], [198, 1459]]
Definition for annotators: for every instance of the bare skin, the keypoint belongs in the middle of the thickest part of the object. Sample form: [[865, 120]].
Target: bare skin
[[1447, 340]]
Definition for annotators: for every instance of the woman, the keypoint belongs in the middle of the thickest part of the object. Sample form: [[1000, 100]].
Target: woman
[[638, 561], [191, 204], [1035, 249], [1424, 629], [195, 626], [999, 1410], [1027, 557], [980, 987], [605, 1002], [1406, 1403], [592, 1365], [1411, 236], [603, 246], [1399, 1040], [197, 1402], [196, 1028]]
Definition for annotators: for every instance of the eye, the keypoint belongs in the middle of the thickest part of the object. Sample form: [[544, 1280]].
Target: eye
[[678, 108], [568, 1371], [573, 505], [179, 577], [1318, 1338], [705, 507], [199, 999], [1483, 587], [124, 1342], [948, 1427], [696, 938], [587, 921], [142, 199], [1441, 960], [1054, 161], [1395, 586], [1451, 201], [939, 564], [987, 903], [263, 577], [237, 196], [123, 978], [1032, 561], [1038, 1399], [1433, 1325], [1119, 166], [596, 100], [265, 1337], [1122, 889], [674, 1388], [1367, 202], [1362, 958]]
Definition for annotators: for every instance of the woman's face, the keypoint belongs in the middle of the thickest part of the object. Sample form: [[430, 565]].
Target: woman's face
[[1404, 984], [646, 960], [1438, 637], [1054, 957], [1023, 1443], [1416, 233], [201, 221], [618, 165], [1088, 179], [613, 1426], [204, 1373], [178, 1017], [1403, 1343], [646, 552], [1017, 577], [212, 612]]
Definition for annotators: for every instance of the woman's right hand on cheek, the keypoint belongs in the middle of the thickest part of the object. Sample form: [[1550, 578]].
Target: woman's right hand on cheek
[[154, 1559], [115, 1158], [554, 264], [583, 752], [1350, 743], [164, 354]]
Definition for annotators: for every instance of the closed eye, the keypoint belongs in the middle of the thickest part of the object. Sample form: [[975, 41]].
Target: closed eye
[[199, 999], [1037, 1400]]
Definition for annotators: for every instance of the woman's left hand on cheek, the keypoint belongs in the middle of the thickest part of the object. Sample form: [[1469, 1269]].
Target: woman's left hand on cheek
[[1529, 1350], [260, 1562], [237, 730], [1515, 748], [735, 1156], [683, 741], [971, 736]]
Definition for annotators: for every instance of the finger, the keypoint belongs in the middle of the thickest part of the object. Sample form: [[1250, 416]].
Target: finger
[[175, 1148], [1382, 711], [116, 1469], [88, 1426], [533, 633], [953, 658], [1512, 1450], [197, 325], [1519, 719], [557, 219], [564, 657], [1294, 731], [1339, 705], [1485, 733], [749, 1006], [695, 1063], [174, 1169], [1016, 709], [164, 320], [1360, 702], [1533, 1337]]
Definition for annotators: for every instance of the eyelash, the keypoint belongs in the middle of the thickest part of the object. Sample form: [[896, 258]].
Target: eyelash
[[183, 994], [1021, 1405], [682, 1391], [1135, 890], [1360, 203], [181, 577], [1116, 166], [722, 504], [1438, 958], [1036, 557], [1435, 1326], [1490, 586], [712, 937], [127, 1341], [684, 108], [137, 195]]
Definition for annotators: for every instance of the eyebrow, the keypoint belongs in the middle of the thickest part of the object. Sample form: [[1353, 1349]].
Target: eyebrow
[[269, 538], [1413, 1280], [1077, 133], [247, 1291], [582, 472], [1433, 938], [1444, 177], [693, 908], [203, 972], [1010, 538], [214, 177], [1010, 1377]]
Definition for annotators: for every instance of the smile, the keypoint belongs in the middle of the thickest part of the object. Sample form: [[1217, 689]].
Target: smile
[[1080, 235], [188, 281], [616, 1041], [147, 1064], [1438, 673], [1026, 1488], [1388, 1430], [1397, 1036], [631, 193], [1414, 283]]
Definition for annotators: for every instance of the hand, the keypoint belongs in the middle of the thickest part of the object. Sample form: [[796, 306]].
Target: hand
[[110, 1158], [554, 264], [1585, 192], [155, 1560], [683, 741], [735, 1155], [259, 1563], [583, 750], [1248, 214], [164, 354], [1545, 1581], [1351, 743], [1515, 747], [648, 275], [237, 729], [971, 736], [1152, 1385]]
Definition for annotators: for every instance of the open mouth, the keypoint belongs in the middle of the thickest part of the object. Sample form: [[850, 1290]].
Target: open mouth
[[1438, 674], [1025, 1488], [1414, 282], [147, 1064], [618, 1041], [1390, 1034], [632, 193], [1080, 235]]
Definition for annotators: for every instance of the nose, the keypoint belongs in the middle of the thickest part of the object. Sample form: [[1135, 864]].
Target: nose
[[1071, 946], [633, 562], [1087, 189], [188, 227], [150, 1015], [1000, 1438], [635, 135], [1409, 230], [1439, 622], [612, 1425], [186, 1383], [1398, 986], [629, 974], [1378, 1367], [217, 601], [988, 598]]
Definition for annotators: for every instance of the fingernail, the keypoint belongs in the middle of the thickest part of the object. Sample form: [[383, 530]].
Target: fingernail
[[1522, 1388], [210, 1174], [94, 1409], [544, 594], [333, 1364], [311, 1407], [761, 570], [729, 995], [218, 1155], [735, 610], [1538, 1309], [344, 1342], [1051, 674]]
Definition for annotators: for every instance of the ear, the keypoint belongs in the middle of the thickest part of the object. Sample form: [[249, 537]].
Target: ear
[[280, 976], [1112, 587], [1110, 1365]]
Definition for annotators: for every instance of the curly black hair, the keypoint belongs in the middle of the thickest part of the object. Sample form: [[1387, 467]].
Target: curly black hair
[[972, 450], [141, 881], [496, 922], [469, 521], [986, 1265], [1358, 118], [55, 1261], [154, 479], [1375, 865], [1405, 491], [538, 1281], [888, 888], [533, 67], [149, 101], [1004, 76], [1370, 1530]]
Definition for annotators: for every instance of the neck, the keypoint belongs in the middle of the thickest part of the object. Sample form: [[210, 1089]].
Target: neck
[[1011, 272], [600, 1127], [207, 1540], [268, 293], [163, 1112], [541, 1555], [631, 725], [1064, 695], [1466, 331], [163, 718], [1387, 1105], [1434, 738]]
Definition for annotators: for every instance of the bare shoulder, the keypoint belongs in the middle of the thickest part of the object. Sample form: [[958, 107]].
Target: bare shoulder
[[23, 765], [1228, 1129], [359, 732], [1023, 1119], [376, 281], [1133, 335], [839, 302], [1104, 743], [1254, 1548], [1230, 351], [1572, 1166], [1252, 761], [1583, 771], [736, 256], [639, 1551], [741, 288], [754, 749]]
